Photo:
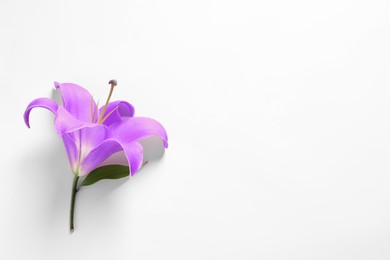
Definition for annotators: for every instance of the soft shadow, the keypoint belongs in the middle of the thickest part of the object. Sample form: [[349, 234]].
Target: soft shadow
[[56, 95], [153, 148], [48, 177]]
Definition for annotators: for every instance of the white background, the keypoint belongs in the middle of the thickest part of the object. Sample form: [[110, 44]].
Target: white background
[[277, 114]]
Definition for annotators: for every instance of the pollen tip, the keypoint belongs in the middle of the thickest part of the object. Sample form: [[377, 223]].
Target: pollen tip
[[113, 82]]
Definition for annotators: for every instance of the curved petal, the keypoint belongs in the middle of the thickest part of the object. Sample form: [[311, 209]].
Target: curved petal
[[136, 128], [77, 100], [89, 138], [133, 152], [64, 122], [117, 111], [81, 142], [71, 151], [47, 103]]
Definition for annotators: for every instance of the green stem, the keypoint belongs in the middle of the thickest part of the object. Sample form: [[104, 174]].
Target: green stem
[[74, 190]]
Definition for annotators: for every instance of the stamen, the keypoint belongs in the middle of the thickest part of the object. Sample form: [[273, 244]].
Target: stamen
[[113, 83], [112, 111]]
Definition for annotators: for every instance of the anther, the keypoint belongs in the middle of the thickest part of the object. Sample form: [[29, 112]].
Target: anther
[[113, 82]]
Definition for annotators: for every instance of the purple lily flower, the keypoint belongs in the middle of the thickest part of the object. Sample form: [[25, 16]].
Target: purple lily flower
[[91, 134]]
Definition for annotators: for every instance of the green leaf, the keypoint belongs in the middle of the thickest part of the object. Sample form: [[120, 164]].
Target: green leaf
[[106, 172]]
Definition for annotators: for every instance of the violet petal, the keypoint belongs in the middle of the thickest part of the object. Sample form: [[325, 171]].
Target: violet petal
[[136, 128], [123, 110], [64, 122], [47, 103], [77, 100]]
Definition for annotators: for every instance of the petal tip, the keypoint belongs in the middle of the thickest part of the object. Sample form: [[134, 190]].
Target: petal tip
[[57, 84], [46, 103], [26, 117]]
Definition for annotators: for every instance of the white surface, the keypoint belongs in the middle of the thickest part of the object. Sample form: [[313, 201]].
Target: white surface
[[278, 121]]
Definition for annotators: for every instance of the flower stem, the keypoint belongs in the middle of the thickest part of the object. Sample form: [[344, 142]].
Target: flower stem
[[72, 201]]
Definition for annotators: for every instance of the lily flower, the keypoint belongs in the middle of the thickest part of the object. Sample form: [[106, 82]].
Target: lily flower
[[91, 134]]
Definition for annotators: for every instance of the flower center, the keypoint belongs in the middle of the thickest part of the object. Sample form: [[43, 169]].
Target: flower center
[[101, 119]]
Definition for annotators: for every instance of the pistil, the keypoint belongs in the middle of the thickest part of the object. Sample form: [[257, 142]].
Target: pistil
[[113, 83]]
